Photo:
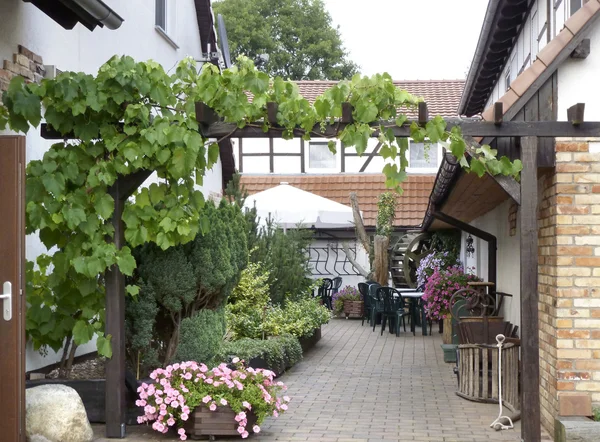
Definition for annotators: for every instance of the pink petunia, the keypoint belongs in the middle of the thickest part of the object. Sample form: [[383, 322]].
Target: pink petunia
[[241, 429], [184, 416], [256, 429], [212, 407], [206, 399], [223, 401]]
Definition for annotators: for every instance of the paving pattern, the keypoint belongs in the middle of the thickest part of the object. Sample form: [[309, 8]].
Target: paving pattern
[[356, 385]]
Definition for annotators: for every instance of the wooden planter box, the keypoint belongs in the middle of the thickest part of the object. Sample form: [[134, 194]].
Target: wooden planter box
[[353, 309], [221, 422], [93, 396], [308, 342]]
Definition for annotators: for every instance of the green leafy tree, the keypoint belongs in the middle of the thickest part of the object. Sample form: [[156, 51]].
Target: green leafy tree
[[180, 283], [297, 35], [134, 118]]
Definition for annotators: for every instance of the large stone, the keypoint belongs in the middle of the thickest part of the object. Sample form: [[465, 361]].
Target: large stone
[[55, 412], [576, 429]]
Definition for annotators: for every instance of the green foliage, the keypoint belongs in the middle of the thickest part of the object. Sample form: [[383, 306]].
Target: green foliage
[[200, 336], [386, 212], [134, 117], [596, 414], [447, 241], [247, 306], [276, 352], [182, 282], [297, 35], [299, 318]]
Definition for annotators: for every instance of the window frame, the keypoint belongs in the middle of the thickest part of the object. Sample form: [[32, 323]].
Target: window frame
[[311, 169], [435, 148], [166, 23]]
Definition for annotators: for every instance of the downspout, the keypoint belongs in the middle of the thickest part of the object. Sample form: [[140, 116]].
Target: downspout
[[486, 236]]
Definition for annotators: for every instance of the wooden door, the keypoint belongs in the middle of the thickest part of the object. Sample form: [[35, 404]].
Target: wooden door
[[12, 271]]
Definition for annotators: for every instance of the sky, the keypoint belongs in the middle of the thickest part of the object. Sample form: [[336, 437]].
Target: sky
[[411, 40]]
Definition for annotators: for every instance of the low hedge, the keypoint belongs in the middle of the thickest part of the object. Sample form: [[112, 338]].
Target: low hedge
[[277, 353]]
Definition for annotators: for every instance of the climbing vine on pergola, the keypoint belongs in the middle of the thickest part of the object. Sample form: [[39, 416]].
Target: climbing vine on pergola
[[135, 117]]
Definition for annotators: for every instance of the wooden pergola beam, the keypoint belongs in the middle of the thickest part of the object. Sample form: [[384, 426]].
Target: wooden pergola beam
[[468, 127]]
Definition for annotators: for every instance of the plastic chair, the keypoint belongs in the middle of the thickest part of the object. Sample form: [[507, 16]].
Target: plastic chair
[[337, 283], [325, 292], [376, 307], [363, 288]]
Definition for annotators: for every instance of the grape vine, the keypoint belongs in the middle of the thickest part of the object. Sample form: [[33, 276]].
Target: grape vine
[[134, 116]]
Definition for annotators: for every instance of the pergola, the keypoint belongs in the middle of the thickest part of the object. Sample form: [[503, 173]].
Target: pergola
[[524, 193]]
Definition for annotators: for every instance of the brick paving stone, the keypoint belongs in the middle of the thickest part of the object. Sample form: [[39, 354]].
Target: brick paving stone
[[356, 385]]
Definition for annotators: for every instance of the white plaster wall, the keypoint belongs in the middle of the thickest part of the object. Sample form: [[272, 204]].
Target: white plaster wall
[[531, 41], [330, 270], [291, 164], [578, 81], [82, 50], [508, 258]]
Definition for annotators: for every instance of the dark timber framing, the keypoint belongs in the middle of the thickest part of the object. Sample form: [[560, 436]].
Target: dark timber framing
[[530, 430]]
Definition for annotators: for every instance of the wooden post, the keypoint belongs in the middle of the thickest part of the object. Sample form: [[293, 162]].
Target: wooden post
[[115, 326], [241, 155], [271, 156], [302, 165], [115, 407], [380, 260], [530, 354]]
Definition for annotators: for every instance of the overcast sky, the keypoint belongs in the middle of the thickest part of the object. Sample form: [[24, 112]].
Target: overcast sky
[[410, 39]]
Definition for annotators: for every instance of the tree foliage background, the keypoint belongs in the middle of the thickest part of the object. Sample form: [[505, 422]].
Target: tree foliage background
[[298, 36]]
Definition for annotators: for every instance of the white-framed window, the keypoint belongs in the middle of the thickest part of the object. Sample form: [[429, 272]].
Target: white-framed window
[[166, 20], [422, 158], [507, 80], [320, 157]]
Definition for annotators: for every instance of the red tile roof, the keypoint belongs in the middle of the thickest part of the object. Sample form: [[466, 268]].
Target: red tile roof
[[442, 96], [411, 207]]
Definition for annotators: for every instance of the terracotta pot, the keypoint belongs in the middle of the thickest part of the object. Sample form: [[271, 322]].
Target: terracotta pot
[[447, 335], [221, 422], [353, 309]]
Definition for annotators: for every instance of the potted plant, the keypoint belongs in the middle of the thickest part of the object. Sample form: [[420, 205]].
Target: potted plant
[[349, 302], [229, 400], [439, 288]]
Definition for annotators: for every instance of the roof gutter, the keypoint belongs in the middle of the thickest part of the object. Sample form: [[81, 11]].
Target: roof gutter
[[486, 30], [101, 12], [447, 174]]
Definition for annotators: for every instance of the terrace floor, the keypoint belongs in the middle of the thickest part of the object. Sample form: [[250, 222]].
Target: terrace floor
[[356, 385]]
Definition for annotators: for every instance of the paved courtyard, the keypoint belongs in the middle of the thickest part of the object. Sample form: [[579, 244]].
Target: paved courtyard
[[356, 385]]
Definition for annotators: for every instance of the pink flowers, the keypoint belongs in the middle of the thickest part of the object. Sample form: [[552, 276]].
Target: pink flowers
[[177, 392], [440, 287]]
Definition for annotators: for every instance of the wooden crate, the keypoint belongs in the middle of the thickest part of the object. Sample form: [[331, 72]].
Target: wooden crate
[[221, 422], [478, 374], [353, 309]]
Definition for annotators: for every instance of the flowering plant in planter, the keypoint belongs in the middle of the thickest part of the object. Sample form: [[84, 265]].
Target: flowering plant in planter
[[348, 293], [434, 261], [179, 388], [440, 287]]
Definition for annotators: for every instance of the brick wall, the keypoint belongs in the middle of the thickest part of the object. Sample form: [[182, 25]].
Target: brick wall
[[547, 287], [569, 280], [24, 63]]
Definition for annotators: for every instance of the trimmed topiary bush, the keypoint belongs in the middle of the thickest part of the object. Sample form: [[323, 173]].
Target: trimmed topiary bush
[[200, 336]]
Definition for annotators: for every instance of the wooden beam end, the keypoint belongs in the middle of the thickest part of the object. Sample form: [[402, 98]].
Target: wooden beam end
[[423, 113], [575, 114], [498, 113], [347, 109]]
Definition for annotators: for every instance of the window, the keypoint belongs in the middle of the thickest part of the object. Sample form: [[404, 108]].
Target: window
[[507, 79], [575, 6], [165, 20], [423, 158], [320, 157]]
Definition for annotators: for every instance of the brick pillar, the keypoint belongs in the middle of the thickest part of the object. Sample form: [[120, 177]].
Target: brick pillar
[[570, 287], [25, 63]]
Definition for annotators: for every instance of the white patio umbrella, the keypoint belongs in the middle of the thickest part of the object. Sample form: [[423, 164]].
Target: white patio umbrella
[[290, 206]]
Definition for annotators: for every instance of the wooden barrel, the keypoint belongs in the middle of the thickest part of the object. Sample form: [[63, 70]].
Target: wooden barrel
[[478, 374]]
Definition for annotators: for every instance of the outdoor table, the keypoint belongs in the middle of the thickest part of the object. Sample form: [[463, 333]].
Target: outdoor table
[[415, 301]]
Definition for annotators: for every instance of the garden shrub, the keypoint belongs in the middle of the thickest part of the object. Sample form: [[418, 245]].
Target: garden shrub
[[299, 318], [275, 351], [180, 282], [248, 303], [200, 336]]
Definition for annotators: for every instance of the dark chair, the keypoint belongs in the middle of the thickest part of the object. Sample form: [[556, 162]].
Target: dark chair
[[363, 288], [375, 307], [392, 309], [325, 292], [337, 283]]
